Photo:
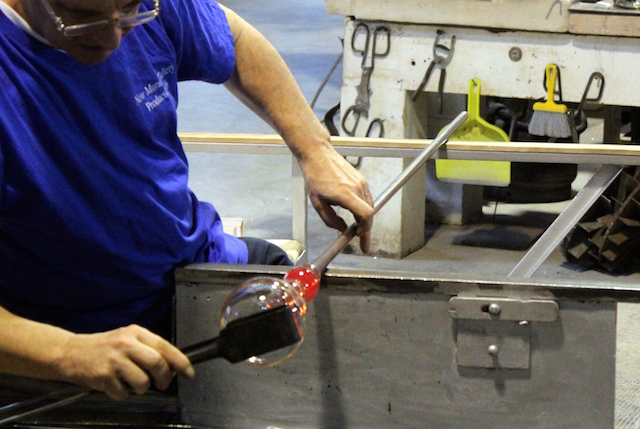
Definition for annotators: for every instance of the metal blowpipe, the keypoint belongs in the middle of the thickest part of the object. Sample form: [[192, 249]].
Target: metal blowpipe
[[321, 262], [306, 279]]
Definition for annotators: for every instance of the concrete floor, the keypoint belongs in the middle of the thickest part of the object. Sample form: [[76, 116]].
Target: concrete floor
[[257, 188]]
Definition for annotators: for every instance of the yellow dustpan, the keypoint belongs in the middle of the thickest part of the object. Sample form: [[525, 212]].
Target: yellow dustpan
[[490, 173]]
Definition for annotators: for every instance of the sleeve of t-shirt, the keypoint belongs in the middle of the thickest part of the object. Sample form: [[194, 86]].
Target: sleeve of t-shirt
[[200, 33], [1, 175]]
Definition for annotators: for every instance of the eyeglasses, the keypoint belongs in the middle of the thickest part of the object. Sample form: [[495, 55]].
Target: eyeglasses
[[125, 20]]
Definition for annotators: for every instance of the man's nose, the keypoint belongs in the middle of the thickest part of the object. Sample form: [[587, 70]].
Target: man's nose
[[110, 36]]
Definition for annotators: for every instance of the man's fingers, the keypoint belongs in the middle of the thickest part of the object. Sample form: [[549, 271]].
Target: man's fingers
[[116, 390], [134, 378], [162, 360], [327, 213], [332, 220], [148, 363], [123, 361], [364, 233], [368, 196], [178, 362]]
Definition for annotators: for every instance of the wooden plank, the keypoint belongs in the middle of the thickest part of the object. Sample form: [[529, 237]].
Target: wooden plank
[[534, 15], [393, 143], [603, 19]]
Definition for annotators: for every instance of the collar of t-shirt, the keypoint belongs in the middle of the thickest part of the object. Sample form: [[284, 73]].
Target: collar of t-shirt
[[20, 22]]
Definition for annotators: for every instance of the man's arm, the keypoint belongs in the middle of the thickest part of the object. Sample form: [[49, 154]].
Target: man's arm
[[263, 81], [118, 362]]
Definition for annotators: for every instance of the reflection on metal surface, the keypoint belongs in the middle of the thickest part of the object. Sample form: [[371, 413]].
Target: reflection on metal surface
[[628, 4], [420, 282]]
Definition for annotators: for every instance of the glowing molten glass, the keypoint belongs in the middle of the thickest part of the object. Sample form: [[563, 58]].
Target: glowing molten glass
[[307, 279]]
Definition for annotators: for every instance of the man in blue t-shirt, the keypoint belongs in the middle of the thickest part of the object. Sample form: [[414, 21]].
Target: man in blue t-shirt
[[95, 211]]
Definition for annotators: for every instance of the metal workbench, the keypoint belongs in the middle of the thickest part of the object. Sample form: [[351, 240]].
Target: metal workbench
[[415, 350]]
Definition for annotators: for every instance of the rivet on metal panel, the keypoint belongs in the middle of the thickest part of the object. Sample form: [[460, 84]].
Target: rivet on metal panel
[[494, 309], [515, 54], [516, 309], [492, 344], [494, 331]]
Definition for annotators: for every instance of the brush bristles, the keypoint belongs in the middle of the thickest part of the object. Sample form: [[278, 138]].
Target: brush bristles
[[550, 124]]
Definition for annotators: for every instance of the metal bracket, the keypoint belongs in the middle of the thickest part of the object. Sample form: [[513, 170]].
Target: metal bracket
[[495, 332]]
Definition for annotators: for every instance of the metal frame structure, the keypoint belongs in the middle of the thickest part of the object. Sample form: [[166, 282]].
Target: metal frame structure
[[611, 157]]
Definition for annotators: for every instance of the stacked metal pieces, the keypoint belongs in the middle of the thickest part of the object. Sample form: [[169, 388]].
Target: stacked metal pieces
[[608, 234]]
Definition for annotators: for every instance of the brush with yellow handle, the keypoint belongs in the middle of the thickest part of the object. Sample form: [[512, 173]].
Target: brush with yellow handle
[[550, 118]]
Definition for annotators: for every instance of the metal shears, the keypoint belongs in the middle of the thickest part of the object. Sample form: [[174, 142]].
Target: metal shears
[[442, 55], [377, 44]]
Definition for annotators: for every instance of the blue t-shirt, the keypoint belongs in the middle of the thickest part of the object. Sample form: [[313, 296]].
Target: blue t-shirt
[[95, 212]]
